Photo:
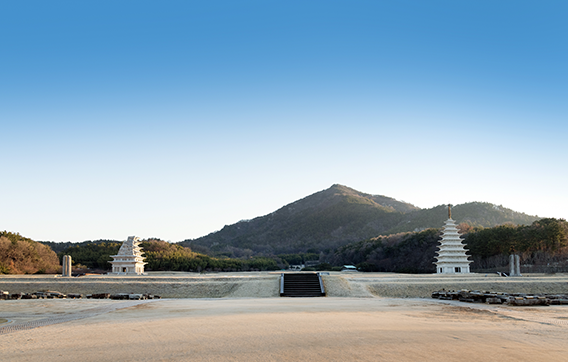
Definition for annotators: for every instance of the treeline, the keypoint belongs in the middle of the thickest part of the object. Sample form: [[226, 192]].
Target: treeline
[[59, 247], [94, 255], [20, 255], [161, 256], [543, 247], [296, 259], [399, 253]]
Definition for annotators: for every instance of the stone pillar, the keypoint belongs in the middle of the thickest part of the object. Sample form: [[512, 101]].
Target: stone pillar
[[514, 265], [66, 266], [69, 267], [511, 265]]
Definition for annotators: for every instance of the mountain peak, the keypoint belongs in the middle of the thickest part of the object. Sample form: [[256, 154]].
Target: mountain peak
[[337, 216]]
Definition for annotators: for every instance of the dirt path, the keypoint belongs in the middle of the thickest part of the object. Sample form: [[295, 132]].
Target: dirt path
[[27, 320]]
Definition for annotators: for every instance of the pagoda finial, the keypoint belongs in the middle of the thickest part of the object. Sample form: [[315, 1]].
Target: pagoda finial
[[449, 211]]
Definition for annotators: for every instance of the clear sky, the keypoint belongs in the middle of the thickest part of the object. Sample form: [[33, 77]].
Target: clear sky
[[171, 119]]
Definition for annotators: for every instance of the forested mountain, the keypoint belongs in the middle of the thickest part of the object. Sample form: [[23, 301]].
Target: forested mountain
[[324, 220], [473, 213], [337, 216], [20, 255]]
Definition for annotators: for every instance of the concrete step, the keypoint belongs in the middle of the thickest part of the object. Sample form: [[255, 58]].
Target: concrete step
[[301, 285]]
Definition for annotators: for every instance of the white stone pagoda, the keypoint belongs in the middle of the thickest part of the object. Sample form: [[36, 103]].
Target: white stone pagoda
[[129, 260], [452, 258]]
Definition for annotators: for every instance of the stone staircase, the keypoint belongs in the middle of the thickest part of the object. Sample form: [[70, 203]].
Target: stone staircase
[[301, 285]]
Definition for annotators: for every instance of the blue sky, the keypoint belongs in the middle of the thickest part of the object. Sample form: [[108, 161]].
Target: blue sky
[[173, 119]]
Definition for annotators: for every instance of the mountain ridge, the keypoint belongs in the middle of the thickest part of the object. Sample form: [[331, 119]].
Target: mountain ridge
[[337, 216]]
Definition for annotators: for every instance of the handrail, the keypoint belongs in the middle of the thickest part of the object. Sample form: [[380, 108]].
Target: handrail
[[321, 284], [281, 283]]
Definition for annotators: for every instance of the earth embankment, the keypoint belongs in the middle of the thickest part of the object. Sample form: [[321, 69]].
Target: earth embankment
[[422, 286], [266, 284], [178, 285]]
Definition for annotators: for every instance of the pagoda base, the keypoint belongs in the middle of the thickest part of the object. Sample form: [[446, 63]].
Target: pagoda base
[[453, 269], [126, 274]]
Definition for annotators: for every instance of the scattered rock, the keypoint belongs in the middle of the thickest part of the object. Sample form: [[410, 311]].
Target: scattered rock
[[517, 299]]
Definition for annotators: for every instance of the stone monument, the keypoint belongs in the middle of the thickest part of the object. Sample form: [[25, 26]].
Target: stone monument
[[129, 260], [66, 268], [515, 265], [452, 258]]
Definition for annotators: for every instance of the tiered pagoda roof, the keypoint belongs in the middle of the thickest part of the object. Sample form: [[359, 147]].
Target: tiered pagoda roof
[[451, 258], [129, 259]]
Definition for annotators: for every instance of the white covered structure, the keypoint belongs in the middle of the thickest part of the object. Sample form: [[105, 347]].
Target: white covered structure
[[129, 259], [452, 258]]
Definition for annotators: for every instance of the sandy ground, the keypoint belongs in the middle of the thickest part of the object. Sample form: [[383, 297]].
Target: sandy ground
[[287, 329], [239, 317]]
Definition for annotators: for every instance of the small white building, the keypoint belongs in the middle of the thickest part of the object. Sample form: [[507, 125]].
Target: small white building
[[129, 260], [452, 258]]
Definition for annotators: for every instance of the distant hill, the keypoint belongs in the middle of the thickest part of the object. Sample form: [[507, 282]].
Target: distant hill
[[473, 213], [338, 216], [21, 255]]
